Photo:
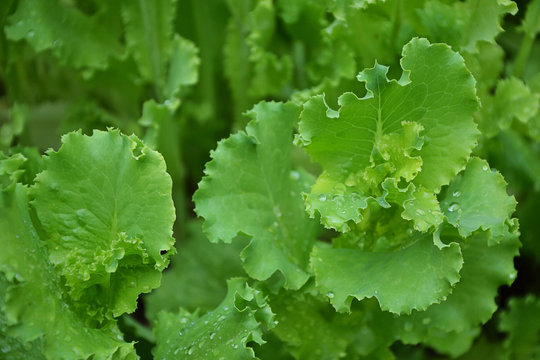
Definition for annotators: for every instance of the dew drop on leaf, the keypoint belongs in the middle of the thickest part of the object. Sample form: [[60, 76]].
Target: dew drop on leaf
[[453, 207]]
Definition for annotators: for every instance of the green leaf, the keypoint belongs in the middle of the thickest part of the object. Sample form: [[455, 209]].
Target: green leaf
[[10, 169], [464, 25], [405, 129], [34, 305], [477, 199], [311, 329], [221, 333], [483, 22], [520, 321], [531, 22], [472, 301], [14, 349], [75, 38], [249, 189], [513, 100], [423, 208], [253, 70], [105, 204], [149, 29], [388, 276], [197, 277], [183, 67]]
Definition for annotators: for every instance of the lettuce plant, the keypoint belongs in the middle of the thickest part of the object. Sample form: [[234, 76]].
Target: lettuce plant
[[257, 179]]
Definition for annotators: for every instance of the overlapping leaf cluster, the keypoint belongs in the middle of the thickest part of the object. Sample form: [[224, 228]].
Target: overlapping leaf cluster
[[354, 206]]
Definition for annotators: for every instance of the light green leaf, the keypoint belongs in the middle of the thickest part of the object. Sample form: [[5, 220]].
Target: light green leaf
[[477, 199], [249, 189], [10, 169], [424, 210], [34, 305], [513, 99], [454, 343], [419, 128], [197, 277], [531, 22], [472, 301], [105, 204], [75, 38], [483, 22], [521, 323], [222, 333], [149, 29], [311, 329], [388, 276], [464, 24], [183, 66]]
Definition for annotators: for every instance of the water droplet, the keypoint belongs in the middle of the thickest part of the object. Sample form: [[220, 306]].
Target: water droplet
[[190, 351], [31, 34], [212, 335], [235, 346], [180, 333], [453, 207], [456, 193], [295, 175], [485, 168], [512, 276], [276, 322], [330, 295], [420, 212], [226, 308], [322, 197], [176, 351], [56, 43]]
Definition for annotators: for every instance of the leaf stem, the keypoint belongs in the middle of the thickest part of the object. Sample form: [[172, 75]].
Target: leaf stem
[[523, 55]]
